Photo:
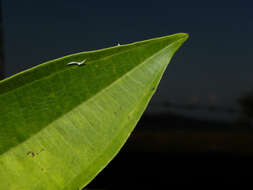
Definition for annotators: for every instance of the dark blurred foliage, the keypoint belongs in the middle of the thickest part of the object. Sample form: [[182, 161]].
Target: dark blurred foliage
[[246, 104]]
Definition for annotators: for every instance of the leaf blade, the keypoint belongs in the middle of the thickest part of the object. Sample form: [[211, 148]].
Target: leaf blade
[[86, 118]]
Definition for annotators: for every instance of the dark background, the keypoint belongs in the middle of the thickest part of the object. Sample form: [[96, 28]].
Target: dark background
[[197, 129]]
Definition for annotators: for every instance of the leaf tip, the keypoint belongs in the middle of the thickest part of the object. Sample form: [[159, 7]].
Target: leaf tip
[[183, 36]]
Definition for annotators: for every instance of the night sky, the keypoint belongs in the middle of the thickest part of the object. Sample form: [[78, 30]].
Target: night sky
[[214, 67]]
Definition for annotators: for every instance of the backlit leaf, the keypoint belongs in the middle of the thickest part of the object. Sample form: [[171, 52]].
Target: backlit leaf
[[61, 124]]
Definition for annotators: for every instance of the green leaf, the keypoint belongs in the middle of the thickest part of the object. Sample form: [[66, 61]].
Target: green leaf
[[61, 124]]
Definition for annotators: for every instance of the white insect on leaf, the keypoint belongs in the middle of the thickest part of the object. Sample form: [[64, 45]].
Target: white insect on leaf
[[77, 63]]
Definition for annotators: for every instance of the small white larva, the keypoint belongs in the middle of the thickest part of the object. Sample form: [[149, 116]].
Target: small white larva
[[77, 63]]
